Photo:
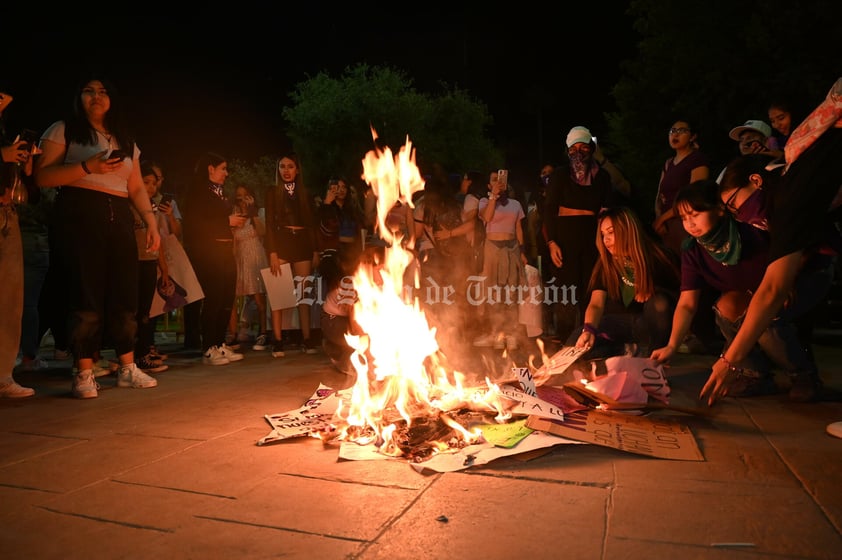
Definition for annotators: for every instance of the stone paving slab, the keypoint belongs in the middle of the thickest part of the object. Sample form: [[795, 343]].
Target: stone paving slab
[[175, 470]]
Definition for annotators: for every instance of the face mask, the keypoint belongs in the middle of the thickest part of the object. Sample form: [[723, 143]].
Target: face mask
[[753, 210]]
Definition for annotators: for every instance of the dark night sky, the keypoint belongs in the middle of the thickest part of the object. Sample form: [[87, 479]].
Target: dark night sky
[[221, 82]]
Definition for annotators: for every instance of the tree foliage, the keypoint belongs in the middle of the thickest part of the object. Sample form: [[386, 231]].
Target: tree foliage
[[718, 63], [330, 121]]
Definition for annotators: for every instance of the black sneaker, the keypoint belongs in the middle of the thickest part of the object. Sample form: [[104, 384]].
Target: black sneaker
[[151, 366], [261, 342], [278, 349], [307, 347], [157, 356]]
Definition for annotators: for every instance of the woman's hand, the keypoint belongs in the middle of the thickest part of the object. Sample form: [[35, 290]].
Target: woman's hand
[[720, 380], [16, 153], [275, 264], [236, 220], [165, 208], [555, 254], [585, 340], [153, 239], [661, 355]]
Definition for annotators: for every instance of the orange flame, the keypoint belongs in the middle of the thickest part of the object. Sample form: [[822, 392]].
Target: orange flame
[[400, 372]]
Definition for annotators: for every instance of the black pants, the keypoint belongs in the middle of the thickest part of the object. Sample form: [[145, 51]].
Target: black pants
[[216, 271], [97, 247]]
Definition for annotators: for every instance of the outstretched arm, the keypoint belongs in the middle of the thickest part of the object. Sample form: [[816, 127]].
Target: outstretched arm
[[766, 302]]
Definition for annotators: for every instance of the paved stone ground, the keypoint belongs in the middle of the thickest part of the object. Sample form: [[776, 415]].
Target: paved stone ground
[[175, 471]]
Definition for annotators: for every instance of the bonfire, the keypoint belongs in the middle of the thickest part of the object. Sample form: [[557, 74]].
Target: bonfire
[[406, 400]]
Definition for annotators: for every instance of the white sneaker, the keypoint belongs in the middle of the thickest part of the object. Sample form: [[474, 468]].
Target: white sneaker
[[84, 385], [132, 376], [260, 343], [213, 357], [12, 390], [229, 353]]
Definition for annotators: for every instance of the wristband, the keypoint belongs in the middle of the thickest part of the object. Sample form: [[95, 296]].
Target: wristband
[[589, 328], [731, 367], [85, 168]]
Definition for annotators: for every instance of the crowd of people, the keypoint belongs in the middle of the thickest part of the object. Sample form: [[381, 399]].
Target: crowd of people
[[608, 281]]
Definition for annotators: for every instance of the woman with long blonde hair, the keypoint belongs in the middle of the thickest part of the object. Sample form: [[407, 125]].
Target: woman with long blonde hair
[[633, 288]]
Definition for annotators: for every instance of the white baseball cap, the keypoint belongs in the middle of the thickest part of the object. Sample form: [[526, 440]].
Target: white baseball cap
[[758, 126], [579, 134]]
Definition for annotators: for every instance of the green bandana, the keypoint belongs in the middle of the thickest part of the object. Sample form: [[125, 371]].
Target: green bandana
[[723, 242], [627, 289]]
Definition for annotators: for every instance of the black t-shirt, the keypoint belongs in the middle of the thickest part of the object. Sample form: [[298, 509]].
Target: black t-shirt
[[800, 219]]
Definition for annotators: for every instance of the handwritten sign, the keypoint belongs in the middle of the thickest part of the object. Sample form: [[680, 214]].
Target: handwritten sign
[[655, 437]]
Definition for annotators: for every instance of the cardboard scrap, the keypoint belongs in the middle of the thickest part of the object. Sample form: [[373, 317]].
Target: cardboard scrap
[[315, 416], [656, 437]]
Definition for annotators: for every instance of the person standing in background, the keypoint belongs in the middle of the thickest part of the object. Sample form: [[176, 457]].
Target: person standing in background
[[148, 262], [11, 263], [689, 164], [291, 239], [209, 242], [784, 116], [575, 194], [93, 158], [503, 266], [250, 256], [33, 216], [169, 222]]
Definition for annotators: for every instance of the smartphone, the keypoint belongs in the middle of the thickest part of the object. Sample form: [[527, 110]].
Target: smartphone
[[30, 137], [166, 199], [503, 177]]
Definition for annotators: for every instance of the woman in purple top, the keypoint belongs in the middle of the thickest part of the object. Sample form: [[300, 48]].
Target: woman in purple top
[[689, 164], [730, 257]]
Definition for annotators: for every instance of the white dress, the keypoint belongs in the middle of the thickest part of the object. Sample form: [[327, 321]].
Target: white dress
[[250, 256]]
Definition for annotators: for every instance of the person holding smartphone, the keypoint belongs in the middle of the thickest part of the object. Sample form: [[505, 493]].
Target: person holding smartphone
[[11, 268], [169, 222], [503, 265], [95, 228], [167, 204]]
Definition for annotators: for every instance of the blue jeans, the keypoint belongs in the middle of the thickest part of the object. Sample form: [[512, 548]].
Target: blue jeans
[[778, 345]]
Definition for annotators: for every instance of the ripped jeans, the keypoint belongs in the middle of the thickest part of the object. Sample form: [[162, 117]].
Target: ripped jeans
[[779, 345]]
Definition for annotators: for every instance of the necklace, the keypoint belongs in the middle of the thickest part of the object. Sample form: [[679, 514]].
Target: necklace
[[628, 281]]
